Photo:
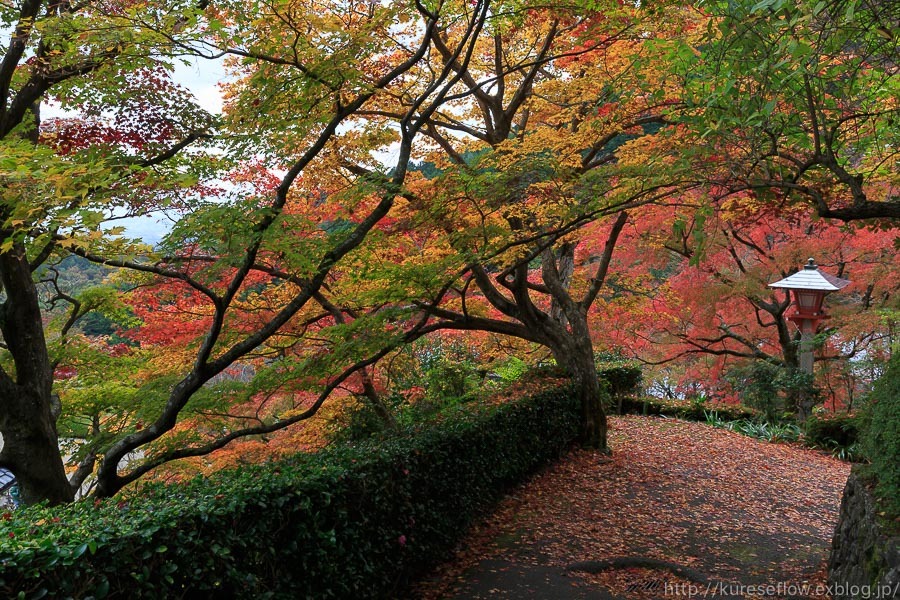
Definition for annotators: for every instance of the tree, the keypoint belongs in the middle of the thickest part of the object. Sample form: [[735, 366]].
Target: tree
[[800, 99], [53, 199], [794, 103], [293, 91], [714, 314], [550, 135]]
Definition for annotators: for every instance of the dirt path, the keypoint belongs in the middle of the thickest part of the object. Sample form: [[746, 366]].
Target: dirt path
[[681, 510]]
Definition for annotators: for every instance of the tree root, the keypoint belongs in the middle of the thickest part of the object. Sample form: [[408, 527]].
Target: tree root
[[624, 562], [714, 587]]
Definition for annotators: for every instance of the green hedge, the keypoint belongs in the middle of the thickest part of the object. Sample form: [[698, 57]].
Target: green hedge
[[881, 436], [690, 411], [831, 429], [622, 378], [348, 522]]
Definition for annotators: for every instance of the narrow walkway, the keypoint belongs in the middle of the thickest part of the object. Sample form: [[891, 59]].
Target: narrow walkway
[[681, 510]]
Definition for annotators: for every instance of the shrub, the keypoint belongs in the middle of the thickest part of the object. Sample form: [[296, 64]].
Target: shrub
[[688, 410], [512, 369], [449, 370], [353, 521], [836, 432], [881, 436], [772, 389], [448, 379], [622, 376]]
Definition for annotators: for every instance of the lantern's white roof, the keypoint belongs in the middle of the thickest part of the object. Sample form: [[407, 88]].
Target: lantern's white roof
[[811, 278]]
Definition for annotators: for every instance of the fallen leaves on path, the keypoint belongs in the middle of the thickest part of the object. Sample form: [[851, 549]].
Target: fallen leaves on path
[[731, 507]]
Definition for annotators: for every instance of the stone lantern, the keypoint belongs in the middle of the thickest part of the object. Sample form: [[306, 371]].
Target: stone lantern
[[809, 286]]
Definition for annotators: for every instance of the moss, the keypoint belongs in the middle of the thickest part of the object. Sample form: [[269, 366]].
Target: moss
[[881, 438]]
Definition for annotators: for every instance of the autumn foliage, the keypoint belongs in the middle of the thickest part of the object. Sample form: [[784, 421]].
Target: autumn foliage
[[541, 184]]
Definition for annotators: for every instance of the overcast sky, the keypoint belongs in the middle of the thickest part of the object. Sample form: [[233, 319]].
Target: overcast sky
[[201, 78]]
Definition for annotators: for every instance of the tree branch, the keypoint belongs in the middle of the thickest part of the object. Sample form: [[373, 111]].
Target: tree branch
[[599, 277]]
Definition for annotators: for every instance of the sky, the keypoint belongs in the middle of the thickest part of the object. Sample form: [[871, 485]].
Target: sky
[[202, 79]]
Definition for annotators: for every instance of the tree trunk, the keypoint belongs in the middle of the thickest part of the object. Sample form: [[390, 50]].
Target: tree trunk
[[576, 355], [593, 413], [374, 399], [31, 448], [30, 441]]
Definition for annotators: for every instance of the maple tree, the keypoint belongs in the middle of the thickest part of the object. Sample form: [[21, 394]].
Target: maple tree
[[708, 307], [535, 167], [799, 99], [256, 283], [56, 193], [786, 107], [324, 82], [417, 266]]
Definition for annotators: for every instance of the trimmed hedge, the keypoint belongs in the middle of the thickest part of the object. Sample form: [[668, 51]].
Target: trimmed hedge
[[348, 522], [621, 377], [838, 433], [689, 411]]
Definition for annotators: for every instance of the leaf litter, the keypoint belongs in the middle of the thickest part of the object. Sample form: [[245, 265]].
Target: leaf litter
[[727, 507]]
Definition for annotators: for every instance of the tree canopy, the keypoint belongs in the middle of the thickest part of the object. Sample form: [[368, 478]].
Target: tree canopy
[[588, 178]]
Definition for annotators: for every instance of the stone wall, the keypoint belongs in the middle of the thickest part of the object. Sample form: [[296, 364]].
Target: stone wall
[[865, 560]]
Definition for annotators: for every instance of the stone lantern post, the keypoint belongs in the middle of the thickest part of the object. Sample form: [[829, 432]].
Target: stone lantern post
[[809, 286]]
